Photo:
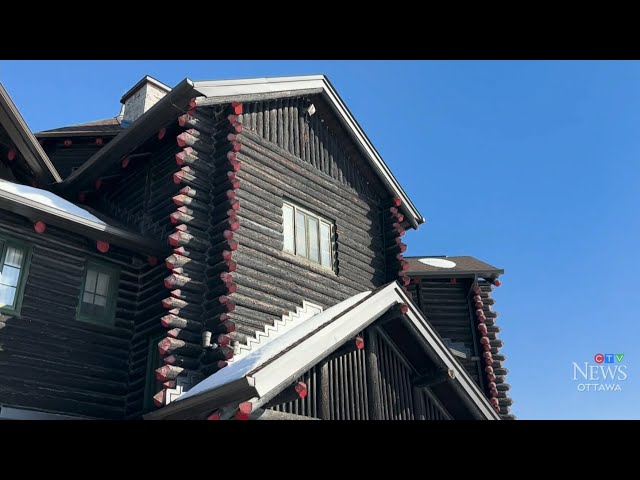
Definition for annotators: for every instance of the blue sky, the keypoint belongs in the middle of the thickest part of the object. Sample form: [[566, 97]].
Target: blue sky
[[532, 166]]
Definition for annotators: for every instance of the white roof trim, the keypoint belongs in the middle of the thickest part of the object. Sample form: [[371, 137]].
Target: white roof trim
[[23, 138], [278, 363], [257, 86]]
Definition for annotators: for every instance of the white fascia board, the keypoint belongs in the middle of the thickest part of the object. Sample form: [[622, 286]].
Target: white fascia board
[[257, 86]]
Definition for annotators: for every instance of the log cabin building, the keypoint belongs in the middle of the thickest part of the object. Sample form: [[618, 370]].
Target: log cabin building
[[229, 250]]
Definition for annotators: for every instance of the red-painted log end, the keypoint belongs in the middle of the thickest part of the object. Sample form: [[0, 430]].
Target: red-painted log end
[[301, 389], [125, 162], [159, 398], [11, 154], [102, 246], [214, 416], [40, 226], [237, 108], [161, 133], [245, 407]]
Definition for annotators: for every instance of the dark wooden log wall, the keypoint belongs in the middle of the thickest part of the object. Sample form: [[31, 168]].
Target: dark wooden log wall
[[462, 312], [139, 191], [496, 386], [269, 282], [67, 157], [446, 306], [51, 361], [317, 140], [203, 219]]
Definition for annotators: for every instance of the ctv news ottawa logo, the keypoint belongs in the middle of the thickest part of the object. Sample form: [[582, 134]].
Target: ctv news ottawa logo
[[605, 375]]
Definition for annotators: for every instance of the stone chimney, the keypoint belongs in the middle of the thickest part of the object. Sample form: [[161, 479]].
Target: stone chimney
[[140, 98]]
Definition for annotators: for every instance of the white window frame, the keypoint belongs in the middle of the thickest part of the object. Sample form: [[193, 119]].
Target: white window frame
[[321, 220]]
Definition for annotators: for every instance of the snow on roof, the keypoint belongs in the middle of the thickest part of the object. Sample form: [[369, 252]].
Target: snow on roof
[[263, 353], [47, 199]]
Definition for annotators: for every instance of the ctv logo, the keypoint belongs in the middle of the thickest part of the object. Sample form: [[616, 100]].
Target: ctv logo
[[608, 357], [598, 377]]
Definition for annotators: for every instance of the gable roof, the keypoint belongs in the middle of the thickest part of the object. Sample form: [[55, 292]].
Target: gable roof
[[37, 204], [440, 266], [266, 371], [104, 127], [241, 90], [24, 140]]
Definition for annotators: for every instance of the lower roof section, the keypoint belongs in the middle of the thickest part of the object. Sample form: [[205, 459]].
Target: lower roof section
[[443, 266], [265, 372], [41, 205]]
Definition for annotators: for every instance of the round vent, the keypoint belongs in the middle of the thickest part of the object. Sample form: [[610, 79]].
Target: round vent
[[438, 262]]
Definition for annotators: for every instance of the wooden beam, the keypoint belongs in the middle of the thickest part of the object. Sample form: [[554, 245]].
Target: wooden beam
[[373, 375]]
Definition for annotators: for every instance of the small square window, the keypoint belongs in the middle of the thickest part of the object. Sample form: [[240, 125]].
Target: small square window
[[99, 294], [307, 235]]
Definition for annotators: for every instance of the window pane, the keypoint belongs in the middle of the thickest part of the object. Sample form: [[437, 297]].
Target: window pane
[[312, 229], [10, 276], [7, 296], [325, 244], [14, 257], [90, 283], [287, 227], [301, 240], [102, 287], [100, 301], [88, 298]]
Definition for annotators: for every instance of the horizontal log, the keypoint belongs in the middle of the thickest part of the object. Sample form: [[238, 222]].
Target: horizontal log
[[190, 139], [250, 241], [172, 345], [168, 372], [248, 298], [184, 334], [181, 361], [211, 355], [197, 122]]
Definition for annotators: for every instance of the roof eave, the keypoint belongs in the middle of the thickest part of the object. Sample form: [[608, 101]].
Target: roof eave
[[117, 236], [106, 133], [457, 273], [139, 131], [25, 141], [252, 89]]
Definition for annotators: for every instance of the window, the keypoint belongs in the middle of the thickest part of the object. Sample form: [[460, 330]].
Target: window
[[307, 235], [98, 297], [13, 262]]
